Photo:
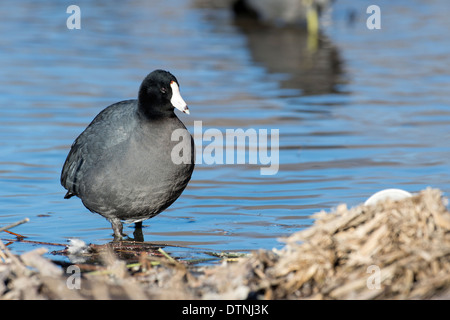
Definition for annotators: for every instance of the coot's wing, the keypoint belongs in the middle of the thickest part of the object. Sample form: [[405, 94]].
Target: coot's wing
[[109, 128]]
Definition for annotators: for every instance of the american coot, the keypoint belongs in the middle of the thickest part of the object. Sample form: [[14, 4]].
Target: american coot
[[121, 166]]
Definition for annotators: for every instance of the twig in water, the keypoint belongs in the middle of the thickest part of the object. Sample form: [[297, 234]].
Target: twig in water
[[160, 250], [15, 224], [19, 236], [37, 242]]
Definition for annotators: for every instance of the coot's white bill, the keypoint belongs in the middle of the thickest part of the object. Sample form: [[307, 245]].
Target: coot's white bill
[[177, 101]]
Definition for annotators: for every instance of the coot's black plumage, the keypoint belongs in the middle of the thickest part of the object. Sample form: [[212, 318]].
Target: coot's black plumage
[[122, 166]]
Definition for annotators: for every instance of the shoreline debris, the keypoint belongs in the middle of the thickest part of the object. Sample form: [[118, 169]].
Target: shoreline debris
[[389, 250]]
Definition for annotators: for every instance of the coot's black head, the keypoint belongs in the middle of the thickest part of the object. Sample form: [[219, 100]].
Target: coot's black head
[[159, 94]]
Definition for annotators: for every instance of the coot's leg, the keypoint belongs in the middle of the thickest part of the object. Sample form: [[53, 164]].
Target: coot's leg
[[138, 235], [117, 227]]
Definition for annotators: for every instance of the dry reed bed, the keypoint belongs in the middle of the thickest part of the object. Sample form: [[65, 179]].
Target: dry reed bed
[[392, 250]]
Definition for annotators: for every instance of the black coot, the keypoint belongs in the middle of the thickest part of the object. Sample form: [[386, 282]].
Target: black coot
[[135, 158]]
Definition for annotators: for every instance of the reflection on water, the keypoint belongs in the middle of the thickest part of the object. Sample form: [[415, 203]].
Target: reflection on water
[[357, 111], [310, 63]]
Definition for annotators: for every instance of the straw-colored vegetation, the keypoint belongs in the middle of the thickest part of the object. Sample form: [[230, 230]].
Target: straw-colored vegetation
[[392, 250]]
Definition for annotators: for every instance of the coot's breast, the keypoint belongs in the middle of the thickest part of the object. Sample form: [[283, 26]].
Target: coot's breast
[[123, 164]]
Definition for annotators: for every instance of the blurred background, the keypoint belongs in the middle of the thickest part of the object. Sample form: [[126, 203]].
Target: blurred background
[[358, 110]]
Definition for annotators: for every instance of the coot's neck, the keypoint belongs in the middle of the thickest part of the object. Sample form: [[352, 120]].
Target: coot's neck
[[153, 109]]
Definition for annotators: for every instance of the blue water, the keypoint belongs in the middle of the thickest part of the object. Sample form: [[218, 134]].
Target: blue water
[[359, 111]]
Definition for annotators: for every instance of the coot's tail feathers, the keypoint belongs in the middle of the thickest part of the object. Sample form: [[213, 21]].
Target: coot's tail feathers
[[69, 195]]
